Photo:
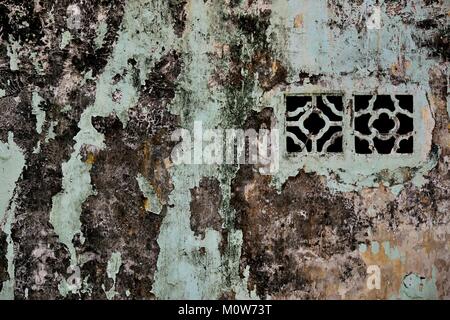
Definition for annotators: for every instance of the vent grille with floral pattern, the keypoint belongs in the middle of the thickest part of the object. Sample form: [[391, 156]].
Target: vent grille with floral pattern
[[383, 124]]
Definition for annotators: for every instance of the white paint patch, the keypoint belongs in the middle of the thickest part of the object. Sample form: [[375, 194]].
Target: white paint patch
[[73, 16], [374, 19], [112, 270]]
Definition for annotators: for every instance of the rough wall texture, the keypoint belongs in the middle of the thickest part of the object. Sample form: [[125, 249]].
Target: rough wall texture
[[92, 206]]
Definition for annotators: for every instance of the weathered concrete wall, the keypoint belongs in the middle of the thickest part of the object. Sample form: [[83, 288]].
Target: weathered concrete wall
[[93, 207]]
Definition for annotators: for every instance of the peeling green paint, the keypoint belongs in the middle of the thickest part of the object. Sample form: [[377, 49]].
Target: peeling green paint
[[7, 293], [66, 208], [37, 111], [393, 253], [143, 30], [193, 276], [37, 148], [65, 39], [198, 276], [415, 287], [51, 131], [13, 54], [66, 108], [152, 204], [87, 76], [362, 247], [36, 63], [11, 164], [101, 33], [375, 246], [64, 288], [112, 270]]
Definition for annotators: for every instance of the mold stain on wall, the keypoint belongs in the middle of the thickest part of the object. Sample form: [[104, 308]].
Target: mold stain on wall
[[93, 207]]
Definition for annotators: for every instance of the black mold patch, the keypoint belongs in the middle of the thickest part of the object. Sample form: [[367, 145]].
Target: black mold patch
[[275, 226], [3, 259], [205, 205], [254, 26], [32, 232], [312, 78], [117, 210], [115, 218], [18, 118], [20, 21]]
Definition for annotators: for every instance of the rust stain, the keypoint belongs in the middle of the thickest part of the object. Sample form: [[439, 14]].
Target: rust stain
[[392, 272], [298, 21], [146, 204], [90, 158]]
